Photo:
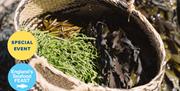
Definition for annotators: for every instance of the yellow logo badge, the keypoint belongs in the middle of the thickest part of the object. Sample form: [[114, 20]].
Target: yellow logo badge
[[22, 45]]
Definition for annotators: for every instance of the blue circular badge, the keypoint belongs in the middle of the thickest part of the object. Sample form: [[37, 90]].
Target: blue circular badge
[[22, 77]]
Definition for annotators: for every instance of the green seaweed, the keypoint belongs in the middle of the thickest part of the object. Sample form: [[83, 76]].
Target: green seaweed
[[75, 56]]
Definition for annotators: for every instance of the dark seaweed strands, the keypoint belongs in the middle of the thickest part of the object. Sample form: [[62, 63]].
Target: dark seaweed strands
[[119, 57]]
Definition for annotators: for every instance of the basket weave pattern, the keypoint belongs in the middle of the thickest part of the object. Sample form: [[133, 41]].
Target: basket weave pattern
[[29, 9]]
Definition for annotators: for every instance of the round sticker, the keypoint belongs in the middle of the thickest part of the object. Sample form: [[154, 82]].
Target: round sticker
[[22, 77], [22, 45]]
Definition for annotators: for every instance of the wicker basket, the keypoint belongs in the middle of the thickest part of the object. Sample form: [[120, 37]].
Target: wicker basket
[[140, 29]]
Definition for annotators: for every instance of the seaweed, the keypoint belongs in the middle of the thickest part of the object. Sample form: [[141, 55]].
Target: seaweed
[[74, 56]]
